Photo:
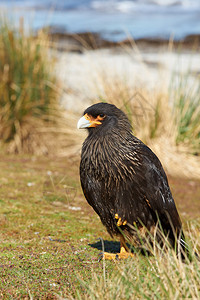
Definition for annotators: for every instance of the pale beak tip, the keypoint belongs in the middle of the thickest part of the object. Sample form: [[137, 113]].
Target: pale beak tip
[[83, 123]]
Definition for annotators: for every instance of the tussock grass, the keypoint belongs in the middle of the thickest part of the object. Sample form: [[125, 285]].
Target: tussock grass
[[30, 115], [161, 276]]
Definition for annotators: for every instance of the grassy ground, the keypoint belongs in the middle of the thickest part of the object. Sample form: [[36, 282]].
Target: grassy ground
[[45, 229], [49, 234]]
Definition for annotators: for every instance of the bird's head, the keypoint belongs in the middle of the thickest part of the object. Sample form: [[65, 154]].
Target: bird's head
[[104, 117]]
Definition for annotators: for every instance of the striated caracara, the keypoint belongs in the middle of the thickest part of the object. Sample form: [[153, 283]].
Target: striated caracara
[[124, 181]]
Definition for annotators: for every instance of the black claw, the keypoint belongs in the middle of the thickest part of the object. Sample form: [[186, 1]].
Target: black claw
[[117, 257]]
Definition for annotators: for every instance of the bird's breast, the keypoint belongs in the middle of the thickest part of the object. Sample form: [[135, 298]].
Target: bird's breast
[[110, 159]]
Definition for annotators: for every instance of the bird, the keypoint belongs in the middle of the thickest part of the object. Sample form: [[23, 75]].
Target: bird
[[125, 183]]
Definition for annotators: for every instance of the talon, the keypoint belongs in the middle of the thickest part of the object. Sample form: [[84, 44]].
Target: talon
[[117, 256], [116, 216], [119, 222], [124, 223]]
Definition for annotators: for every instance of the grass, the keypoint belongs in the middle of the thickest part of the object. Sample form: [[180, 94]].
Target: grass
[[41, 233], [28, 89], [186, 110], [50, 239], [154, 278]]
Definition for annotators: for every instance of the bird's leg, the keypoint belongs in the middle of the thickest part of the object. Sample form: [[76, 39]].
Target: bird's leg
[[123, 246], [124, 251]]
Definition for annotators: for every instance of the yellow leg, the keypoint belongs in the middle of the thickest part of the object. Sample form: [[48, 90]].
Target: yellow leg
[[124, 252], [123, 246]]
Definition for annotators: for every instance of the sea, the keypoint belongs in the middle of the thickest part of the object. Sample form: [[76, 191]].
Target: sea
[[114, 20]]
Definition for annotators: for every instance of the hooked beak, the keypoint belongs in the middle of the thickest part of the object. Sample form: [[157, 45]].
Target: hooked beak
[[87, 121]]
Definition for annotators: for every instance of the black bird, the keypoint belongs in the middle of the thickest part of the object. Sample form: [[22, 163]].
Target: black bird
[[124, 181]]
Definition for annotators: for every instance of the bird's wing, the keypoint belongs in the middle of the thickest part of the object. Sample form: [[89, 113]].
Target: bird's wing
[[97, 196], [153, 185], [92, 191]]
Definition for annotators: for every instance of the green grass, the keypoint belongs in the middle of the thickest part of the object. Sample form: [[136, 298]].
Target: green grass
[[44, 241], [50, 239]]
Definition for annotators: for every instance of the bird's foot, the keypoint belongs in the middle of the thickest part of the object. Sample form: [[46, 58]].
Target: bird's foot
[[116, 256]]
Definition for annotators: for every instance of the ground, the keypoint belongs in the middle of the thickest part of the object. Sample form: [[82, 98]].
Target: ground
[[49, 234]]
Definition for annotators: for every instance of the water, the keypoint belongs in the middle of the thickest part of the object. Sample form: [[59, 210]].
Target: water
[[113, 19]]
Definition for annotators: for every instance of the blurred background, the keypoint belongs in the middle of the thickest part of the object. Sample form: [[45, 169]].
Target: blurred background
[[58, 57], [113, 19]]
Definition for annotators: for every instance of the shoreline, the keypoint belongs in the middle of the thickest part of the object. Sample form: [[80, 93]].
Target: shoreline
[[78, 42]]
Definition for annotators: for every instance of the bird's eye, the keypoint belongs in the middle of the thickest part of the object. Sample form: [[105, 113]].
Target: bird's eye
[[102, 116]]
